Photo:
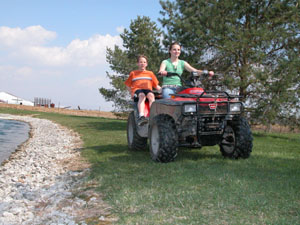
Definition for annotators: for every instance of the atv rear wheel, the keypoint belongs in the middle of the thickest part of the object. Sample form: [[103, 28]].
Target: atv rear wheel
[[237, 140], [163, 139], [134, 140]]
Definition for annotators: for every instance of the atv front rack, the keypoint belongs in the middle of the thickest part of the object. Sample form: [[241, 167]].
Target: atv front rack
[[209, 94]]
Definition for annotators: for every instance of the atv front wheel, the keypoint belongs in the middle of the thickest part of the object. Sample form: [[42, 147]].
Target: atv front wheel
[[134, 140], [163, 139], [237, 140]]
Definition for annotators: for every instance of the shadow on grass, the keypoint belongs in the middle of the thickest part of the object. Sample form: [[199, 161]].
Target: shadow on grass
[[121, 153], [118, 153], [276, 136], [113, 149], [118, 169], [107, 126]]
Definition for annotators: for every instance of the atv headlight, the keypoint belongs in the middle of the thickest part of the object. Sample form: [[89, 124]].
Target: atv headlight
[[235, 107], [189, 108]]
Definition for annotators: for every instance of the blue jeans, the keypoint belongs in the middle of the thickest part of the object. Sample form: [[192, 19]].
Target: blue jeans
[[166, 91]]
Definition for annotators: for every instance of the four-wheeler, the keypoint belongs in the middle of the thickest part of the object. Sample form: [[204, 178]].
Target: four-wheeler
[[193, 117]]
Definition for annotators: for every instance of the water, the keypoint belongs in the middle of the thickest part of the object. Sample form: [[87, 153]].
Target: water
[[12, 134]]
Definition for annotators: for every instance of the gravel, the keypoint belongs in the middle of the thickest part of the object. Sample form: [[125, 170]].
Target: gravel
[[43, 180]]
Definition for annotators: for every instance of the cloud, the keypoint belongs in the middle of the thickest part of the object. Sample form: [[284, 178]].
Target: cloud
[[28, 45], [8, 72], [71, 74], [30, 36], [90, 81], [92, 51], [120, 29]]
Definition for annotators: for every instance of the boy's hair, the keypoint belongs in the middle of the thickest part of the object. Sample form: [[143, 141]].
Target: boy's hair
[[142, 56]]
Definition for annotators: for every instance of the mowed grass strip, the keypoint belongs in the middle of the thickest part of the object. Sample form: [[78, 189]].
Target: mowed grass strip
[[200, 187]]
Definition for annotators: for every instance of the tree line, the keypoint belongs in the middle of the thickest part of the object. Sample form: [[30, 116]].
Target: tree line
[[254, 44]]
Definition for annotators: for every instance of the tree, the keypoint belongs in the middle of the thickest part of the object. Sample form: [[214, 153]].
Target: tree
[[143, 37], [254, 43]]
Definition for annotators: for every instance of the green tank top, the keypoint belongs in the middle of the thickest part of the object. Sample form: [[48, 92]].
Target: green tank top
[[174, 80]]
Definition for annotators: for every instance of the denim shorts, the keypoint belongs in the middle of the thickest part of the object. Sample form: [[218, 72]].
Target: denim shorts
[[167, 90]]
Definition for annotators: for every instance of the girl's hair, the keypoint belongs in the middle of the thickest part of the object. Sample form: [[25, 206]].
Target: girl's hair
[[142, 56], [174, 43], [171, 46]]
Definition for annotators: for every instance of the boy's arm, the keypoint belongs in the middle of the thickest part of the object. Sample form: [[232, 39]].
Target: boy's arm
[[155, 83], [158, 88]]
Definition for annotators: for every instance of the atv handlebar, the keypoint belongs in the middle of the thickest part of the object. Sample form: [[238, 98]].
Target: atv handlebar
[[193, 76], [203, 80], [195, 79], [169, 74], [204, 73]]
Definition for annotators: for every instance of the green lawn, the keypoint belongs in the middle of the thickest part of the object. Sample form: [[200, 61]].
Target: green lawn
[[200, 187]]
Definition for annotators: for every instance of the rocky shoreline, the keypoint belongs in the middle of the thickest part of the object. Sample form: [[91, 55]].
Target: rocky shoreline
[[44, 182]]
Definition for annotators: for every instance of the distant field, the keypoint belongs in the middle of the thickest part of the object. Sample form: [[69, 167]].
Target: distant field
[[61, 110], [94, 113], [200, 187]]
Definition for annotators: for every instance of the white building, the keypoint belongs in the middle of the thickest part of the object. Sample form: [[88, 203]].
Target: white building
[[11, 99]]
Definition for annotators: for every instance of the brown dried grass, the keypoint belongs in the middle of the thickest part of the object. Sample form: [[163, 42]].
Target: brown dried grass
[[92, 113], [274, 128]]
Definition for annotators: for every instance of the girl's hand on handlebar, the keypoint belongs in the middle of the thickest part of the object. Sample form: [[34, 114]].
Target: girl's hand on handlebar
[[163, 73], [206, 73], [211, 74], [199, 72]]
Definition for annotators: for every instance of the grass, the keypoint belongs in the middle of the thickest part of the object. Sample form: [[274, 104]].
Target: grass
[[200, 187]]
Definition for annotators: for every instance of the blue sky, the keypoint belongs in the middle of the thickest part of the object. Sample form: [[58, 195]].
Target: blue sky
[[56, 48]]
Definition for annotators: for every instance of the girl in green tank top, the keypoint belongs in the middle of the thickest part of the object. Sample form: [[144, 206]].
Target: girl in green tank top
[[175, 65], [170, 67]]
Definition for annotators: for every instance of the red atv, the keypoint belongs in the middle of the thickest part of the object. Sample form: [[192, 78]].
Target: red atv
[[193, 117]]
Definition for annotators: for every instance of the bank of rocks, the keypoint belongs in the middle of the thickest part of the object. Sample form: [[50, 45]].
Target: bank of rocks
[[44, 181]]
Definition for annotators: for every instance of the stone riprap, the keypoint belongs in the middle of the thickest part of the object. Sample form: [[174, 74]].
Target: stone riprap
[[38, 184]]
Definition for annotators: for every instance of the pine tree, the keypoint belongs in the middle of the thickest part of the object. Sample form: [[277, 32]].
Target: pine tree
[[143, 37], [254, 43]]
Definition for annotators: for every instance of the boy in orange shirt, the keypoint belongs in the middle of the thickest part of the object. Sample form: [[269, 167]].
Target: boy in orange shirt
[[140, 83]]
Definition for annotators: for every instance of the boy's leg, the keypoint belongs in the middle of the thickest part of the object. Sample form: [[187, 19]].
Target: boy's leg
[[151, 98], [141, 106], [141, 103]]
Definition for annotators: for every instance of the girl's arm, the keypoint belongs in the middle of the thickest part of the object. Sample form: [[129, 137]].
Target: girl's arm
[[189, 68], [162, 69]]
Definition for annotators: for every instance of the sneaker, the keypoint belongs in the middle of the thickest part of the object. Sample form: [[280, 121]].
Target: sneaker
[[142, 120]]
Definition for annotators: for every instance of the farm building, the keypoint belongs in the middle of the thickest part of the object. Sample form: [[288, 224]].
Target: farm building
[[11, 99]]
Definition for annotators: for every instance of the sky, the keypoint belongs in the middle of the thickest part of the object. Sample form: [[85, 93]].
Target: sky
[[56, 49]]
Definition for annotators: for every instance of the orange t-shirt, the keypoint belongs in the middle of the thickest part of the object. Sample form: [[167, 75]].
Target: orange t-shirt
[[141, 80]]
